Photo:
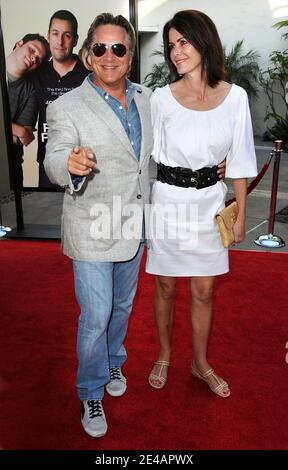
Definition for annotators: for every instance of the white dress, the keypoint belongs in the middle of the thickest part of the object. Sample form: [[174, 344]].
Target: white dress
[[183, 237]]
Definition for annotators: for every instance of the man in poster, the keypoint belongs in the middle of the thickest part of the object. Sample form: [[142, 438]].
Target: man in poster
[[61, 74], [27, 55]]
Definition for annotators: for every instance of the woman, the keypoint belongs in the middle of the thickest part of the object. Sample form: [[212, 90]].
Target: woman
[[198, 120]]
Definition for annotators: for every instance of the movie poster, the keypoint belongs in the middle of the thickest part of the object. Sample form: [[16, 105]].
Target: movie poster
[[38, 85]]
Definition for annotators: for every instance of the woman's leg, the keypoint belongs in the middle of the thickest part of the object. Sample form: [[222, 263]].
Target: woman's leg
[[201, 317], [163, 304]]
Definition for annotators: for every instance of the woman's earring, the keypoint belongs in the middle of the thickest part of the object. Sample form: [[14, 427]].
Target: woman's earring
[[205, 64]]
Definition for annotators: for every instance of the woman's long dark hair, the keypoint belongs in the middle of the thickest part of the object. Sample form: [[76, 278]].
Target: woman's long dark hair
[[198, 29]]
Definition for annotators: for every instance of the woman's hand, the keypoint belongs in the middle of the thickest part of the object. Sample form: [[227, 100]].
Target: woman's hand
[[239, 230], [221, 170]]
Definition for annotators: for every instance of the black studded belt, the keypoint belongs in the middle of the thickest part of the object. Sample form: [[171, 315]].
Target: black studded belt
[[187, 178]]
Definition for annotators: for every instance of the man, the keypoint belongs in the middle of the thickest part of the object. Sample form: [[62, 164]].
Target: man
[[61, 74], [106, 119], [27, 55]]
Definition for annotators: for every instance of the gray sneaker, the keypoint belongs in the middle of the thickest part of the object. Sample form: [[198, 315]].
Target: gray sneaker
[[118, 383], [93, 418]]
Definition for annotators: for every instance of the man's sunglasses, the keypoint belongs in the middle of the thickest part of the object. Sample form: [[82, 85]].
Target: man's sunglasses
[[100, 48]]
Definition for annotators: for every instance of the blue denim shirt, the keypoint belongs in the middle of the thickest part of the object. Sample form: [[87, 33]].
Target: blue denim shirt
[[130, 120]]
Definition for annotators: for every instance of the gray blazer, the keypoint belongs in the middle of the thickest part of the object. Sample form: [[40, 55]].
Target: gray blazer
[[81, 117]]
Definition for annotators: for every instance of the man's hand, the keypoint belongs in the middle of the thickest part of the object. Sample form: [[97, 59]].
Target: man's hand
[[23, 133], [222, 169], [81, 161]]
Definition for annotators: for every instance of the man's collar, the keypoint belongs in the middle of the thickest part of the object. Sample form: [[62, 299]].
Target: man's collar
[[131, 88], [74, 57]]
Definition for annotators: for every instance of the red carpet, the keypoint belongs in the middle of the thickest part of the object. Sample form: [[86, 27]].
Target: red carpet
[[39, 406]]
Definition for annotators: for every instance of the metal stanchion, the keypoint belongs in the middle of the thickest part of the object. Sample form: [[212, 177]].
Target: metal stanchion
[[270, 240], [3, 230], [2, 233]]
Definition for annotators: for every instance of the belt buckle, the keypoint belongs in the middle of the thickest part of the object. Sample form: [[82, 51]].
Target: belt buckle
[[195, 180]]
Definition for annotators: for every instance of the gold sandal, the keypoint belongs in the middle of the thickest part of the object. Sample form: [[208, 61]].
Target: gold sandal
[[219, 384], [161, 379]]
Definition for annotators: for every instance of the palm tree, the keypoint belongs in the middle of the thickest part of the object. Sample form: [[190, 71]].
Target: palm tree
[[242, 69], [275, 84], [282, 24], [160, 74]]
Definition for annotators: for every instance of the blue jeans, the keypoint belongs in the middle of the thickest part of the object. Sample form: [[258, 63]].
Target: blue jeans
[[105, 293]]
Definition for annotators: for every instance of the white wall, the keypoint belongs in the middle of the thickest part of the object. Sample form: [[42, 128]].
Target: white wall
[[250, 20], [20, 17]]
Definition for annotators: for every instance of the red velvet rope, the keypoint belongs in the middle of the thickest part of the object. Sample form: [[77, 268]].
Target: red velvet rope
[[256, 180]]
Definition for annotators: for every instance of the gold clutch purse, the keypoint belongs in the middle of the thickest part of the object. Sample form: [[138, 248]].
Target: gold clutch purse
[[225, 220]]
